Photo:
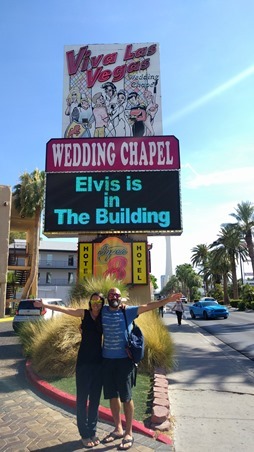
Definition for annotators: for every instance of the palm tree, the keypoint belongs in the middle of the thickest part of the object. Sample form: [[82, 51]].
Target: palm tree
[[245, 219], [220, 265], [199, 259], [28, 198], [188, 279], [230, 244]]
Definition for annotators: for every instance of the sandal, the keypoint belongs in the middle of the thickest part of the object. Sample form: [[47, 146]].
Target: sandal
[[125, 441], [87, 443], [113, 436], [95, 440]]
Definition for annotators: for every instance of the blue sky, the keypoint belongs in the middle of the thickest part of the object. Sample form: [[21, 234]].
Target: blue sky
[[207, 75]]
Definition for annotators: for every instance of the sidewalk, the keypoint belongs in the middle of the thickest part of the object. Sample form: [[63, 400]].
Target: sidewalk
[[211, 393]]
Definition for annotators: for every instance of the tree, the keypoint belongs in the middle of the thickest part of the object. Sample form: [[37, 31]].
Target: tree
[[28, 198], [188, 278], [200, 257], [220, 265], [153, 280], [244, 215], [230, 245], [173, 285]]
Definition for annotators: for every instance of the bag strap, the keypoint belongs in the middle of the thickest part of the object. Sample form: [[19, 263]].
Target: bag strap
[[126, 324]]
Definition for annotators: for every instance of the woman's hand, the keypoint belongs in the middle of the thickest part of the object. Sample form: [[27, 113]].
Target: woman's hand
[[38, 304]]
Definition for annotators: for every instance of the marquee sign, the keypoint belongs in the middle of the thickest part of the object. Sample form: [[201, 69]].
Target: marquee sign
[[127, 202]]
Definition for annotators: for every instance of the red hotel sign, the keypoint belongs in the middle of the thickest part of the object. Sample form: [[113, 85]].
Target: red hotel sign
[[113, 154]]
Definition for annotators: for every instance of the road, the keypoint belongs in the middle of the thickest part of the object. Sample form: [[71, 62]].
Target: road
[[237, 331]]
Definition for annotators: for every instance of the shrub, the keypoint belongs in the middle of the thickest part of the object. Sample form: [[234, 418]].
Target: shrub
[[247, 293], [234, 303], [241, 306]]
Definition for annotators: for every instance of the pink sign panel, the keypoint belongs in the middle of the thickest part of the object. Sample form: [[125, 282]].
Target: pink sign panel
[[113, 154]]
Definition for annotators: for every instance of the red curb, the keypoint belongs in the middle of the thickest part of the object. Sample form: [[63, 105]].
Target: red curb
[[70, 401]]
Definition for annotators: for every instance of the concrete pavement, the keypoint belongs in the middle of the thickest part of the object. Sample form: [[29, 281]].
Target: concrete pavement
[[211, 393]]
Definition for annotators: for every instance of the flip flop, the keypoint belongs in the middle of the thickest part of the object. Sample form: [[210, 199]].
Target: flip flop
[[124, 442], [95, 440], [113, 436], [87, 443]]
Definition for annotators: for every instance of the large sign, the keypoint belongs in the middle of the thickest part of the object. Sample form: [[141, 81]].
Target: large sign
[[113, 154], [127, 202], [112, 90], [123, 260]]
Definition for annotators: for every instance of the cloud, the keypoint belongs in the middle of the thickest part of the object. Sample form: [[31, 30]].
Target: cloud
[[226, 177], [211, 95]]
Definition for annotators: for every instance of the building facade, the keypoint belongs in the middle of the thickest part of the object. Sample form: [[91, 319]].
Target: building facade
[[57, 268]]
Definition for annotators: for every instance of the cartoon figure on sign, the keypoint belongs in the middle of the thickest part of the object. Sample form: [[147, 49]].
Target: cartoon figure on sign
[[100, 115], [111, 102], [118, 118], [151, 109], [85, 115], [116, 267], [137, 114], [72, 101]]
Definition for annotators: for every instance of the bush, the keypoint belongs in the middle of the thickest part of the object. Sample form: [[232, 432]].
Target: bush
[[241, 306], [247, 293], [234, 303]]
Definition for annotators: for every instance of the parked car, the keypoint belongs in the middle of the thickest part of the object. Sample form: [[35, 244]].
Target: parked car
[[26, 311], [208, 308], [184, 300], [207, 299]]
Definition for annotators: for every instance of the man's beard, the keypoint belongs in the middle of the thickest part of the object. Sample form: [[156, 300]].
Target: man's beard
[[114, 303]]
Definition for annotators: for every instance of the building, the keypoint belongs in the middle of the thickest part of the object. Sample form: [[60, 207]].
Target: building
[[57, 268]]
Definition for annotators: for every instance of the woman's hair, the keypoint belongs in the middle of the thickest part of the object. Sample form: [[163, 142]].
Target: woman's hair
[[98, 294]]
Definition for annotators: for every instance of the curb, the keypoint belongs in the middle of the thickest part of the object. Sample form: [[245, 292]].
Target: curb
[[70, 400]]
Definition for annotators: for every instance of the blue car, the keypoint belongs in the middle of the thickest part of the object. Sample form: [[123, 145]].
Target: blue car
[[208, 308]]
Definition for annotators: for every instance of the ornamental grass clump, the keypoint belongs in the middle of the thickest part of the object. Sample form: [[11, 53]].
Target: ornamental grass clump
[[159, 346], [52, 345]]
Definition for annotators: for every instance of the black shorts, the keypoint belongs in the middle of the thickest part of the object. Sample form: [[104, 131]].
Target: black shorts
[[118, 378]]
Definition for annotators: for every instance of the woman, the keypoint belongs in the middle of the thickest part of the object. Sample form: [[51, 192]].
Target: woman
[[179, 310], [88, 367]]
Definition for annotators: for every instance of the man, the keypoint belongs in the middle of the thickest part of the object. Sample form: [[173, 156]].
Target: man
[[117, 367]]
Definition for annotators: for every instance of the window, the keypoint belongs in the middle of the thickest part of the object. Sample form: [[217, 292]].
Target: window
[[70, 278], [48, 278], [70, 260], [49, 260]]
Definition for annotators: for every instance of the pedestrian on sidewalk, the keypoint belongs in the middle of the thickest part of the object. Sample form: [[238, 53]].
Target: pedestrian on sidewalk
[[88, 366], [179, 310], [118, 368]]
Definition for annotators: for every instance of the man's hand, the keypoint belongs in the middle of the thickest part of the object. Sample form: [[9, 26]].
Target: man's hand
[[175, 296]]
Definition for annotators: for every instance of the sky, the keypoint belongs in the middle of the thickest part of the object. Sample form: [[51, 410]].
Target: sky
[[207, 89]]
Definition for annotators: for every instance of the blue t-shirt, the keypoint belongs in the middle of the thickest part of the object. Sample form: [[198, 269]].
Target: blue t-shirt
[[114, 331]]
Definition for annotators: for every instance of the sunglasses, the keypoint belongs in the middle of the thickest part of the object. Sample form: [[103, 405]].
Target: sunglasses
[[96, 301], [114, 295]]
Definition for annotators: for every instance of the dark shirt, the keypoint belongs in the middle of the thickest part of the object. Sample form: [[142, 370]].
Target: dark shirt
[[90, 346]]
